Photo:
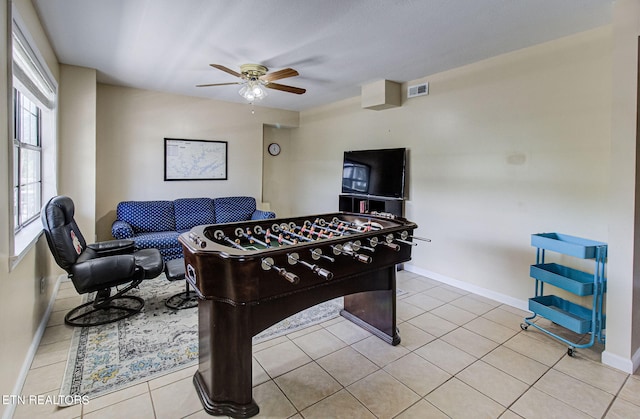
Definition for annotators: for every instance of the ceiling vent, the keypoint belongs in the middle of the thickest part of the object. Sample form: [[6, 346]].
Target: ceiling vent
[[418, 90]]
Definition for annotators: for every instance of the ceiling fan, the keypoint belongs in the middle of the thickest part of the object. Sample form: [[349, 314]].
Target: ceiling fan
[[255, 78]]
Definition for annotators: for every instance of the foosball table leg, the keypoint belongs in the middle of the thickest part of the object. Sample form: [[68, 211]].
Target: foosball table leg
[[375, 311], [224, 377]]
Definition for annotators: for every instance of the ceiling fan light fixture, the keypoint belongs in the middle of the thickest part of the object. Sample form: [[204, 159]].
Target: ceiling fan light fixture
[[253, 90]]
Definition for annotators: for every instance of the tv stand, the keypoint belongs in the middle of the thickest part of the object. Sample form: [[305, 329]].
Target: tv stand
[[364, 203]]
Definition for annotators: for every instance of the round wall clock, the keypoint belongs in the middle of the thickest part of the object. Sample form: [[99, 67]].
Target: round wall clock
[[274, 149]]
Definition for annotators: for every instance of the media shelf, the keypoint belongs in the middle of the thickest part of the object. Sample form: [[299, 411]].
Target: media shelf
[[565, 313], [364, 203]]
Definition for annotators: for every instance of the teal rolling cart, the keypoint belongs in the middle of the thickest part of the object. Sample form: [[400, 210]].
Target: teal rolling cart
[[565, 313]]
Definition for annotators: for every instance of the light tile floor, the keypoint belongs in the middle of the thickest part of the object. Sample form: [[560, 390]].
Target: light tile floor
[[461, 356]]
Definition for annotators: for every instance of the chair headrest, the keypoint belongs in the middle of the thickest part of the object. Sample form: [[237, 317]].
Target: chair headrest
[[59, 211], [63, 235]]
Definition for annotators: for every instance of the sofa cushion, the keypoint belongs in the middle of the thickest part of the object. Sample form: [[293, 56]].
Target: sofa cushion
[[235, 208], [157, 240], [171, 253], [147, 216], [191, 212]]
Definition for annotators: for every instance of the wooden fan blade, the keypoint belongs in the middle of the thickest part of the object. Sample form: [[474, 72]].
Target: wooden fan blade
[[290, 89], [217, 84], [280, 74], [226, 70]]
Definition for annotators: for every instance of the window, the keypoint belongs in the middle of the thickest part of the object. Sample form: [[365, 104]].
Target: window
[[33, 166], [27, 160]]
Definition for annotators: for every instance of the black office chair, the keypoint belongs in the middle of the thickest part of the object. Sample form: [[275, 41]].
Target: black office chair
[[97, 267]]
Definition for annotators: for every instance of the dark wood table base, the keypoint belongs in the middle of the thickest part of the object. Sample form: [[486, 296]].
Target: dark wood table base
[[224, 378]]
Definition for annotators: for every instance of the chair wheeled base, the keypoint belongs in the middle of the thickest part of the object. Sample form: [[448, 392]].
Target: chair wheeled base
[[185, 299], [106, 308], [174, 270]]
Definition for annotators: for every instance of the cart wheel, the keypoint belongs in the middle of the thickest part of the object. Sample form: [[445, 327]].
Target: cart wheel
[[570, 351], [524, 326]]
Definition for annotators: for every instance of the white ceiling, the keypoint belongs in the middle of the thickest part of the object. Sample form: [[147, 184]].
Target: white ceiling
[[336, 45]]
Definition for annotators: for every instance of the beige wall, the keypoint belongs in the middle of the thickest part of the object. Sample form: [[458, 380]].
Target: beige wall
[[132, 125], [22, 304], [500, 149], [277, 173], [623, 296], [77, 144]]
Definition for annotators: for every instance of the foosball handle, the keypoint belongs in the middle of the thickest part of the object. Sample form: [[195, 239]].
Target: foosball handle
[[362, 258], [323, 273], [393, 246], [267, 263], [289, 276]]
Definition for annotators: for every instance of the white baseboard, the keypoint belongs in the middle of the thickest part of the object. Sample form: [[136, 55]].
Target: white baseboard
[[623, 364], [33, 348], [502, 298]]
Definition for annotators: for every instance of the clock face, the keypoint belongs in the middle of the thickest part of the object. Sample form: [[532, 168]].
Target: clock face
[[274, 149]]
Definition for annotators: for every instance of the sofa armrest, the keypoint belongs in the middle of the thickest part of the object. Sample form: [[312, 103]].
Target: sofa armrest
[[121, 230], [262, 215]]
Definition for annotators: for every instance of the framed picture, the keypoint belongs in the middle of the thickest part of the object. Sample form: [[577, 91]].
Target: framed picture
[[195, 159]]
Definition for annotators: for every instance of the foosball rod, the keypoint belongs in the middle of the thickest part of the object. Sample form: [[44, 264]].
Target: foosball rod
[[249, 236], [291, 230], [279, 238], [315, 253], [268, 235], [405, 235], [340, 250], [221, 236], [337, 223], [336, 248], [369, 223], [340, 232], [311, 232], [324, 227], [339, 228], [293, 233], [294, 258], [357, 245], [358, 256], [405, 242], [321, 234], [374, 241], [389, 238], [345, 227]]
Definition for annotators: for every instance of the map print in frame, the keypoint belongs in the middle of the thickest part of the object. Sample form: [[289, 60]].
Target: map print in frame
[[195, 159]]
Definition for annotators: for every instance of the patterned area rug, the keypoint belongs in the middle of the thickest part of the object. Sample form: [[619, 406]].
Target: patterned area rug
[[157, 341]]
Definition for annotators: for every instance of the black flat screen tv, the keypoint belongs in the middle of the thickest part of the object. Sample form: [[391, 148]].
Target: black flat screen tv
[[374, 172]]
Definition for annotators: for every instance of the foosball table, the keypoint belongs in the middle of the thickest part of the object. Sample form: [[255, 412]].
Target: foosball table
[[251, 275]]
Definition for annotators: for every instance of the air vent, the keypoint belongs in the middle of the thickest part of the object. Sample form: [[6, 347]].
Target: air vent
[[418, 90]]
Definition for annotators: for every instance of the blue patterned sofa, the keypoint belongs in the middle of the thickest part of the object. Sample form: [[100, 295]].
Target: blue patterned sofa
[[157, 224]]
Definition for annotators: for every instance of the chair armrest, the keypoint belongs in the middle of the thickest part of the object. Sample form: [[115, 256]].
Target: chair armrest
[[100, 273], [112, 247], [96, 274], [262, 215], [121, 230]]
